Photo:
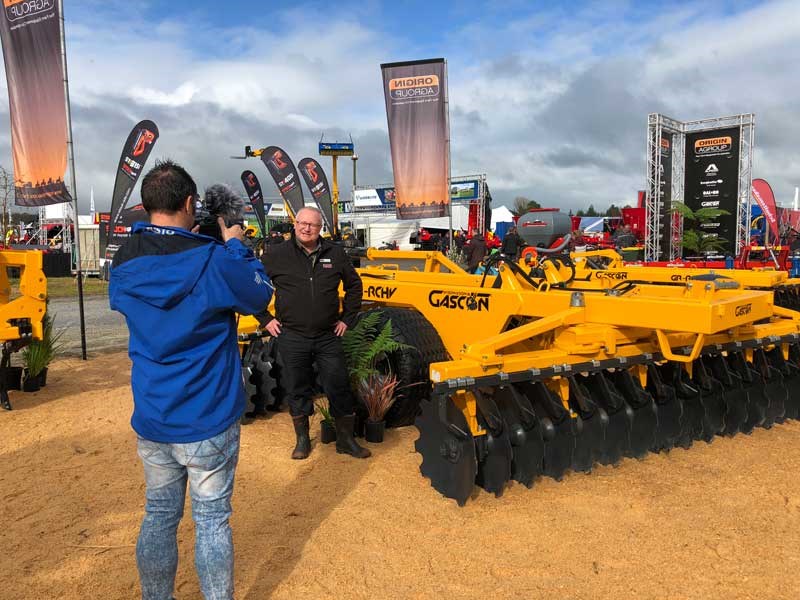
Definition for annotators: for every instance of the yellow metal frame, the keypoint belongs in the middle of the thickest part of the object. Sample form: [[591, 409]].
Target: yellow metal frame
[[31, 304], [503, 324]]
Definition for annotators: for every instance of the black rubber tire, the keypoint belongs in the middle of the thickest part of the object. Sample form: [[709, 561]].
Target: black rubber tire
[[411, 364], [263, 384]]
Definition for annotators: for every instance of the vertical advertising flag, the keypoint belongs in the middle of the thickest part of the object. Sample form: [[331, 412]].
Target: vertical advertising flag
[[31, 38], [712, 180], [135, 153], [253, 188], [416, 110], [762, 194], [281, 167], [317, 182]]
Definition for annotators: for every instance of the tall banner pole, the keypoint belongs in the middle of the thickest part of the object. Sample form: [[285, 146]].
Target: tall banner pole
[[447, 146], [335, 203], [70, 153]]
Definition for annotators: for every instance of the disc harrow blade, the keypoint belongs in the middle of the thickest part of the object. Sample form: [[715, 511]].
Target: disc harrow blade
[[757, 401], [592, 425], [447, 448], [774, 388], [643, 413], [790, 373], [734, 394], [712, 396], [793, 363], [670, 411], [559, 429], [689, 395], [524, 432], [493, 449], [620, 418]]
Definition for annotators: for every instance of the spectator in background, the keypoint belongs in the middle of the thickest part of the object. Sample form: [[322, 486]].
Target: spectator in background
[[476, 251], [624, 237], [512, 244], [577, 241]]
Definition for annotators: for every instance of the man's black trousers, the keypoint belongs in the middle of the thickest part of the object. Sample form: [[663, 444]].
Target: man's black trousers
[[298, 354]]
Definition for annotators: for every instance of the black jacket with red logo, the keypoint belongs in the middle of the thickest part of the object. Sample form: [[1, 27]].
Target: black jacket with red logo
[[307, 292]]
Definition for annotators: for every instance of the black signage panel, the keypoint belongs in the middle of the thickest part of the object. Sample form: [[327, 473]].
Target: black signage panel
[[712, 180]]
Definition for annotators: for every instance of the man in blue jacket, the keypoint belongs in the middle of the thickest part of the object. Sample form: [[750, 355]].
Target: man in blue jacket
[[180, 292]]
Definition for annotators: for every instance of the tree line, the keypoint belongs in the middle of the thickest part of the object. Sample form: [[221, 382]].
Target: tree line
[[522, 205]]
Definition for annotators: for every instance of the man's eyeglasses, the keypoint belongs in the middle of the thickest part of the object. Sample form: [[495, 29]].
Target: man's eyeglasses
[[304, 224]]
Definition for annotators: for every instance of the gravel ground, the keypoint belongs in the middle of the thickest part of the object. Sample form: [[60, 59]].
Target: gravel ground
[[105, 329]]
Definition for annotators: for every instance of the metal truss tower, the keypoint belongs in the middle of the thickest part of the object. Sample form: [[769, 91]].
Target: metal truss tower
[[656, 212]]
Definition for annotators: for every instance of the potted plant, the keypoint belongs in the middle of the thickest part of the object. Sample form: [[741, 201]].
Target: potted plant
[[37, 355], [327, 426], [377, 392], [366, 346]]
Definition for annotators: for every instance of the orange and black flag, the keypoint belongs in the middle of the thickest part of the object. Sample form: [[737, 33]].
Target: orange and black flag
[[253, 188], [317, 182], [135, 153], [31, 39], [281, 167]]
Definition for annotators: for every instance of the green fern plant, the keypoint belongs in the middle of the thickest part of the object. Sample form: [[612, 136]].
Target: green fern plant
[[695, 240], [366, 345]]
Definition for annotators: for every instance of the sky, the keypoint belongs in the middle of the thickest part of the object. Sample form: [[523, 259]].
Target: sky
[[549, 100]]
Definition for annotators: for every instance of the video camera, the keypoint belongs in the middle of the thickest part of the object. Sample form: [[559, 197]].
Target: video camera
[[218, 201]]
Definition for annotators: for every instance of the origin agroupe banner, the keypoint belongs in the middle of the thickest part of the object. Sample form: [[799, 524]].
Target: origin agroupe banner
[[253, 188], [317, 182], [135, 153], [281, 167], [31, 39], [416, 111], [712, 180], [762, 194]]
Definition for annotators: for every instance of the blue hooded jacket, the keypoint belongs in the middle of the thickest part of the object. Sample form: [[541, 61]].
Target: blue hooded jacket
[[179, 292]]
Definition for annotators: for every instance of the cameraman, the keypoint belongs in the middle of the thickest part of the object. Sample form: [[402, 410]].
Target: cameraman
[[179, 292]]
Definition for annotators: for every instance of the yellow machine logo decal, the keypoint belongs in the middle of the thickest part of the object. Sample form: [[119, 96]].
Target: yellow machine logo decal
[[743, 309], [459, 300], [378, 291]]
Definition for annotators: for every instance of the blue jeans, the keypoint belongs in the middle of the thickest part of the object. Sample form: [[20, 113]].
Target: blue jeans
[[209, 467]]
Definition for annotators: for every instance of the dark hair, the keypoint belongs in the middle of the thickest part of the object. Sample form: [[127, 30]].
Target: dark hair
[[166, 187]]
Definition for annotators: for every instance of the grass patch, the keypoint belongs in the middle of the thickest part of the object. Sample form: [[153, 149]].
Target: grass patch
[[67, 287]]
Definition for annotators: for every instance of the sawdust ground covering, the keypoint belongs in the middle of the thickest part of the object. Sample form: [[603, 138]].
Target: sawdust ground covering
[[717, 521]]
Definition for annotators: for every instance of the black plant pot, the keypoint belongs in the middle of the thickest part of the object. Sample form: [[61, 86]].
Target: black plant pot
[[374, 431], [358, 425], [31, 384], [327, 432], [43, 377], [13, 378]]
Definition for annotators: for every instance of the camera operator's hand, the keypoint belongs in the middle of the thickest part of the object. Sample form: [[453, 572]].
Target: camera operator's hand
[[274, 327], [234, 231]]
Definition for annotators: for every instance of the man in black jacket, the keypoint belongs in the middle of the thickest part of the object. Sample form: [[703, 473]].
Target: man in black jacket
[[476, 251], [306, 272], [512, 244]]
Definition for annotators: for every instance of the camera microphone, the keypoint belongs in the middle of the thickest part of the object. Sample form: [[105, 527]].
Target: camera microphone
[[219, 201]]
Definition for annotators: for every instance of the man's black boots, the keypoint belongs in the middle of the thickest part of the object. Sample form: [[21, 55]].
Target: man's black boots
[[303, 447], [345, 442]]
